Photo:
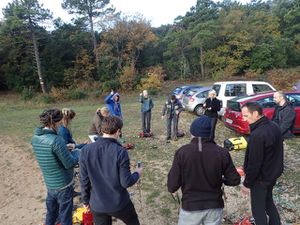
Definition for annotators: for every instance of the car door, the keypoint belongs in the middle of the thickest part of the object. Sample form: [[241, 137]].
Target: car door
[[294, 99]]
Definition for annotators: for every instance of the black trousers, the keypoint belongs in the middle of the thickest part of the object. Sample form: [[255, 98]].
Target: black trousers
[[127, 215], [214, 121], [262, 204], [146, 121]]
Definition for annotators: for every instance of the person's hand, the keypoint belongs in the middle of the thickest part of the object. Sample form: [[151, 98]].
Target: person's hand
[[162, 117], [209, 108], [112, 92], [87, 207], [139, 170], [141, 94], [70, 146]]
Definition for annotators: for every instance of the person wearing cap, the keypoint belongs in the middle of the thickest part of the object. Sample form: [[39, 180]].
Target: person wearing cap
[[284, 115], [113, 104], [56, 163], [263, 163], [200, 168]]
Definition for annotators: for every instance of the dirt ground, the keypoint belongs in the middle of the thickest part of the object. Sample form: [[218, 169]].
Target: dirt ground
[[22, 190]]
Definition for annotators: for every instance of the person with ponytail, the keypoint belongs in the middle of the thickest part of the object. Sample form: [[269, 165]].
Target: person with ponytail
[[64, 129], [56, 162]]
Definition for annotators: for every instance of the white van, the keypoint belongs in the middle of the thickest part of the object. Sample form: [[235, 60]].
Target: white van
[[227, 90]]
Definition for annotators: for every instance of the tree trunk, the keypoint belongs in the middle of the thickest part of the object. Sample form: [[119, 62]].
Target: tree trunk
[[38, 62], [97, 58], [201, 63]]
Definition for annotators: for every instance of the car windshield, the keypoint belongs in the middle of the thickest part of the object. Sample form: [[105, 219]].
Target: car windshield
[[234, 106]]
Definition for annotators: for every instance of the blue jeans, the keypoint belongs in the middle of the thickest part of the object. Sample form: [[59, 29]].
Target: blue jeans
[[59, 206], [206, 217]]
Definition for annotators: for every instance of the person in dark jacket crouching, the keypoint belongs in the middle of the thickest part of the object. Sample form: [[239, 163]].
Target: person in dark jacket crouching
[[105, 175], [263, 163], [56, 163], [200, 168]]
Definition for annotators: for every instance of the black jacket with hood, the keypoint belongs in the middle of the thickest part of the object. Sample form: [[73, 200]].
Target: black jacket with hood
[[200, 169]]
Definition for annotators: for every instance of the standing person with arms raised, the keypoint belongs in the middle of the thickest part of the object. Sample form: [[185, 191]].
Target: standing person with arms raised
[[56, 163], [113, 104], [200, 168], [212, 106], [284, 115], [146, 107], [263, 163], [105, 176]]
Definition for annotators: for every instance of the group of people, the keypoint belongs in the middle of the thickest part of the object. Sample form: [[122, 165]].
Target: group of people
[[199, 168]]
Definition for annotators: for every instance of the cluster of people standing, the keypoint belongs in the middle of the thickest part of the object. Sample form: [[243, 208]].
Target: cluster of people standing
[[200, 168]]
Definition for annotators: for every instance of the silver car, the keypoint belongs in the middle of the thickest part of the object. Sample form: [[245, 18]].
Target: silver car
[[193, 101]]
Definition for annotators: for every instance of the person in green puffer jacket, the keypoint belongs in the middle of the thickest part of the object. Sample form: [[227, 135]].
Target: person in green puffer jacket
[[56, 163]]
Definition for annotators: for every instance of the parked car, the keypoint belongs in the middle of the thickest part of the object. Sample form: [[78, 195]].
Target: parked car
[[179, 92], [227, 90], [193, 100], [233, 117]]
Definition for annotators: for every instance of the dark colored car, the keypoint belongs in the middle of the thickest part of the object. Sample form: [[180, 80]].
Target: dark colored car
[[233, 117], [179, 92]]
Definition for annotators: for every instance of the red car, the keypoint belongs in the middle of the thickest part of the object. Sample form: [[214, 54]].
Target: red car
[[233, 116]]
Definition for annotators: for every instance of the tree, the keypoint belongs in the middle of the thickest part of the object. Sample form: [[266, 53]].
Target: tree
[[89, 10], [25, 15], [122, 45]]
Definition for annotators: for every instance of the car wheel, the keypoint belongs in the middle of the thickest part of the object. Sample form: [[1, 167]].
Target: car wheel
[[199, 110]]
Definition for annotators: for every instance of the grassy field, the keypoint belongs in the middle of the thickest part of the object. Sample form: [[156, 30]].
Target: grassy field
[[153, 203]]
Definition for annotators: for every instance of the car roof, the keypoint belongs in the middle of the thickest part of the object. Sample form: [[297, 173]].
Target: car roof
[[241, 81], [243, 99], [205, 88]]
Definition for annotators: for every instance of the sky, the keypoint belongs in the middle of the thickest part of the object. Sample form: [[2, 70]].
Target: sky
[[159, 12]]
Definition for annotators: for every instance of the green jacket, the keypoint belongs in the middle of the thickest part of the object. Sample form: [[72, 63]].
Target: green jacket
[[54, 158]]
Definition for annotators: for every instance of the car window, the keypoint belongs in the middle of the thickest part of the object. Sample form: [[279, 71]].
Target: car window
[[261, 88], [217, 88], [235, 89], [202, 94], [234, 106], [267, 102], [294, 99]]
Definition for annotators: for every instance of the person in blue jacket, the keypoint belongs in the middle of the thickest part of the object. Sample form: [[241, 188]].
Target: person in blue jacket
[[113, 104], [57, 165], [64, 130]]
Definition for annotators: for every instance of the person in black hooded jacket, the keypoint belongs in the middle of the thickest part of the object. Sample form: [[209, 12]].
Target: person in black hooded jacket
[[200, 168]]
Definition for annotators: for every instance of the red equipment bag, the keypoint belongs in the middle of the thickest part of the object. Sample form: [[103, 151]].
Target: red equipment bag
[[248, 220], [87, 218]]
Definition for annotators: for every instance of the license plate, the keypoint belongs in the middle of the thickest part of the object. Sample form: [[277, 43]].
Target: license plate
[[228, 120]]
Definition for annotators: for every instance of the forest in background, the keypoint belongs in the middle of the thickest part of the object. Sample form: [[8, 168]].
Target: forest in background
[[103, 49]]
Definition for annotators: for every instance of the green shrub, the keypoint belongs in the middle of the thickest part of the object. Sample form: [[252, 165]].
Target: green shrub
[[76, 94], [47, 99], [27, 94], [107, 86], [152, 91]]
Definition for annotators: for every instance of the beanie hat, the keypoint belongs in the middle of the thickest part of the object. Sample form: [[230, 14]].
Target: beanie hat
[[201, 127]]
